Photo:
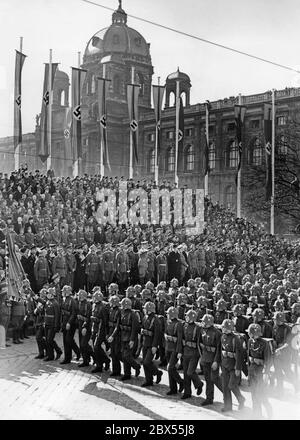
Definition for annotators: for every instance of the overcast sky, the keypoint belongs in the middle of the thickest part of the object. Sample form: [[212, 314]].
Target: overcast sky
[[266, 28]]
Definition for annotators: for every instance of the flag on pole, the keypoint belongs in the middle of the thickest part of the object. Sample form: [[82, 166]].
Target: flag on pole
[[206, 151], [102, 93], [133, 100], [181, 127], [15, 272], [268, 148], [44, 144], [67, 133], [239, 113], [20, 58], [78, 78], [158, 96]]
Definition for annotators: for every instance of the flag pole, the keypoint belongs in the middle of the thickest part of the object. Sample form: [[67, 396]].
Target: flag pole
[[101, 141], [239, 177], [177, 129], [207, 150], [272, 225], [17, 152], [131, 134], [49, 158], [79, 158], [156, 146]]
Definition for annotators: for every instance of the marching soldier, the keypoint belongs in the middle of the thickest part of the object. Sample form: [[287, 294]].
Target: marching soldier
[[68, 318], [210, 344], [122, 267], [231, 363], [99, 320], [84, 328], [129, 326], [282, 356], [191, 354], [71, 264], [59, 265], [113, 336], [258, 316], [221, 311], [92, 268], [259, 362], [39, 313], [108, 262], [174, 349], [161, 266], [52, 326], [151, 332]]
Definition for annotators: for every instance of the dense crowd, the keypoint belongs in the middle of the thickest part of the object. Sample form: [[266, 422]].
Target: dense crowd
[[229, 296]]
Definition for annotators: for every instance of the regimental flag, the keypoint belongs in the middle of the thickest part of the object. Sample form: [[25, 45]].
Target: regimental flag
[[239, 113], [268, 148], [103, 85], [20, 58], [67, 133], [78, 78], [206, 151], [45, 138], [158, 96], [133, 100], [15, 272]]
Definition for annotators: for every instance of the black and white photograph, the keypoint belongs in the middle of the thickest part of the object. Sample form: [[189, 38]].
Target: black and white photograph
[[149, 213]]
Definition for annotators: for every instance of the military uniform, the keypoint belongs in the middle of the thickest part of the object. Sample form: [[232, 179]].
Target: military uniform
[[99, 320], [122, 267], [41, 271], [39, 313], [173, 343], [71, 265], [108, 264], [114, 331], [68, 316], [52, 325], [59, 265], [92, 270], [282, 360], [84, 322], [161, 268], [190, 358], [129, 327], [151, 333]]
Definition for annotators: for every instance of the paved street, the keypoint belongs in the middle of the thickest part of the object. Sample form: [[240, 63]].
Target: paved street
[[34, 389]]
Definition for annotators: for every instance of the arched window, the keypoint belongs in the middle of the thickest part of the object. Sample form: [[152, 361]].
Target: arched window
[[117, 84], [230, 197], [95, 111], [151, 162], [141, 82], [62, 98], [212, 156], [93, 84], [170, 159], [257, 152], [283, 145], [172, 99], [183, 98], [190, 158], [232, 155]]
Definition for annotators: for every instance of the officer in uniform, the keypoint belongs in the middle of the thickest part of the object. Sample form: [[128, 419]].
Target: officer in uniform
[[129, 326], [113, 337], [259, 362], [39, 313], [160, 309], [84, 328], [71, 266], [282, 355], [151, 333], [68, 318], [99, 320], [174, 349], [258, 316], [122, 267], [59, 265], [41, 270], [52, 325], [191, 354], [108, 263], [92, 268], [221, 312], [231, 363], [161, 266], [210, 344]]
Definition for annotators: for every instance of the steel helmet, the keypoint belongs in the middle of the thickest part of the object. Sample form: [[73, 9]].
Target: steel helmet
[[149, 285], [67, 290], [201, 301], [253, 299], [51, 292], [227, 326], [160, 296], [207, 320], [238, 309], [43, 292], [295, 308], [236, 298], [149, 307], [221, 287], [258, 314], [113, 287], [280, 290], [97, 296], [130, 292], [200, 291], [126, 303], [247, 285], [162, 285], [278, 305], [182, 289], [137, 289], [174, 282], [279, 317], [172, 313], [254, 330], [96, 289], [221, 305], [181, 299], [114, 301], [82, 295], [238, 288], [293, 297], [146, 294], [191, 315], [203, 285], [191, 283]]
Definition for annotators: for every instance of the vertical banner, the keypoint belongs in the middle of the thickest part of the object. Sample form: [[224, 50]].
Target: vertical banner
[[45, 138], [102, 93], [239, 114], [78, 78], [133, 98], [158, 96], [268, 149], [67, 136], [20, 58], [181, 127], [206, 151]]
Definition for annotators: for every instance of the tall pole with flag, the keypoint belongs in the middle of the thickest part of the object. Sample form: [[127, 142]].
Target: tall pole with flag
[[177, 130], [133, 100], [78, 78], [269, 132], [272, 225], [158, 96], [102, 93], [20, 58], [239, 112], [49, 158], [206, 155]]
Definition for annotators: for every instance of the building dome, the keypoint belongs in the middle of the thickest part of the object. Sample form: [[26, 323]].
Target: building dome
[[118, 38], [178, 76]]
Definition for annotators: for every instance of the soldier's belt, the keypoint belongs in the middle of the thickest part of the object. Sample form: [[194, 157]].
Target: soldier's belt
[[146, 332], [49, 316], [83, 318], [170, 338], [190, 344], [229, 354], [162, 265], [256, 361], [208, 347]]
